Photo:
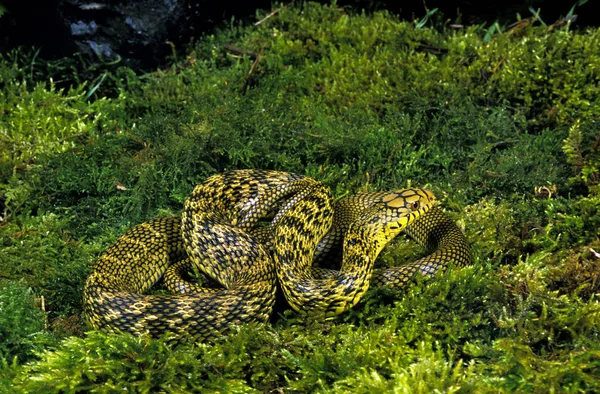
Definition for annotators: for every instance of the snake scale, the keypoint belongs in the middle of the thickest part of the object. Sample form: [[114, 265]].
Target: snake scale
[[250, 231]]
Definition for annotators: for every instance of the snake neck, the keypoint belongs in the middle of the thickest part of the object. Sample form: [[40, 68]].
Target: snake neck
[[373, 221], [339, 292]]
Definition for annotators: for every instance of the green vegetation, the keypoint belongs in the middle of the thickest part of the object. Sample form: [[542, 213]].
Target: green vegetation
[[501, 125]]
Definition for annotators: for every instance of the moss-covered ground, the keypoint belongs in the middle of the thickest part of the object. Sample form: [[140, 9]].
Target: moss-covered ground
[[502, 124]]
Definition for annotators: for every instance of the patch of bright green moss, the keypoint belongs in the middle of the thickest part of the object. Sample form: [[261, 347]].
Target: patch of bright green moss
[[22, 323]]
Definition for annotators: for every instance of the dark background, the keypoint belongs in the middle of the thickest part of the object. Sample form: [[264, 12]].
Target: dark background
[[106, 30]]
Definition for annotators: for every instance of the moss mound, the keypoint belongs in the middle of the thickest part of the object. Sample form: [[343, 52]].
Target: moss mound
[[501, 124]]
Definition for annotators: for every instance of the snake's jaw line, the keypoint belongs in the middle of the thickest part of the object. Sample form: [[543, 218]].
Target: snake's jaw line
[[248, 231]]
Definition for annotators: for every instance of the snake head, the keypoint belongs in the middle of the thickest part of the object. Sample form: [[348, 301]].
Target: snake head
[[406, 203], [390, 213]]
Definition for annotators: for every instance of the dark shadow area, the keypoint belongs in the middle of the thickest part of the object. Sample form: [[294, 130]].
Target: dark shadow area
[[142, 33]]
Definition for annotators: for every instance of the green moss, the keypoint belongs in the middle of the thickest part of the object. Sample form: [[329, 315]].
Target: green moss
[[582, 150], [22, 323], [502, 127]]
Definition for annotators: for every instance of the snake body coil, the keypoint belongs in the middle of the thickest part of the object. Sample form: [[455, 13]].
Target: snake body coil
[[219, 232]]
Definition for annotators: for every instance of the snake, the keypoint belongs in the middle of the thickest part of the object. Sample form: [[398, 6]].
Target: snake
[[251, 232]]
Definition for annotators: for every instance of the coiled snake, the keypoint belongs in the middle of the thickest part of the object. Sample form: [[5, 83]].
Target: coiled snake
[[249, 231]]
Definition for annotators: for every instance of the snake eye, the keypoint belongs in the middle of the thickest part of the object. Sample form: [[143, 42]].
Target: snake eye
[[415, 205]]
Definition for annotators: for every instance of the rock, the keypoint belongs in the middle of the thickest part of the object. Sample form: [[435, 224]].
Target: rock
[[138, 33]]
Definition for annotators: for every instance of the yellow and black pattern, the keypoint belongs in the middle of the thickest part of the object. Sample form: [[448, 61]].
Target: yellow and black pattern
[[368, 222], [114, 299], [438, 233], [248, 231]]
